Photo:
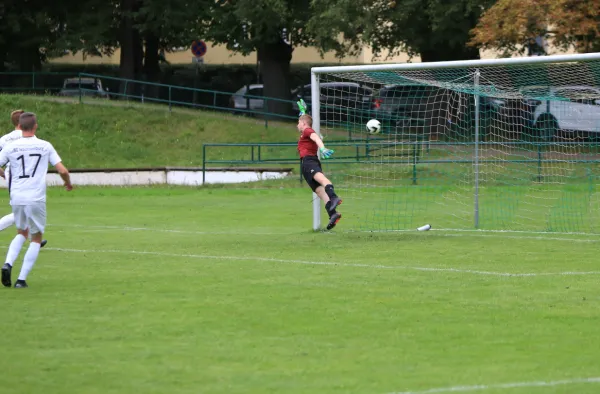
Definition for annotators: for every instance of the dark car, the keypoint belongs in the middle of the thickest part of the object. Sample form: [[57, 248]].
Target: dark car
[[422, 109], [408, 108], [339, 101]]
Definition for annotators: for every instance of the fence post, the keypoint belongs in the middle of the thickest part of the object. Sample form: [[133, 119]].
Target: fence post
[[33, 81], [80, 98], [203, 161], [170, 105], [259, 153]]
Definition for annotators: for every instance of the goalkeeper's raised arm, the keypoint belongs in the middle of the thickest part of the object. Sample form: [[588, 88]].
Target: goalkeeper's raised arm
[[309, 145]]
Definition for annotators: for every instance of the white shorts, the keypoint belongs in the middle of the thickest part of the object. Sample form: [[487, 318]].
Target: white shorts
[[32, 217]]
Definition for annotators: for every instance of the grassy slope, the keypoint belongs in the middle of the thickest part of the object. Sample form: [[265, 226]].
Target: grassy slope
[[88, 136]]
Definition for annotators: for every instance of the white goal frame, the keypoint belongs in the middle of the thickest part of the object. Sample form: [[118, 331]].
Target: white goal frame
[[316, 72]]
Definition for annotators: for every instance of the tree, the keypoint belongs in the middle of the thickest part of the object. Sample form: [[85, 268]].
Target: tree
[[29, 32], [166, 25], [272, 28], [510, 25], [435, 30], [141, 29]]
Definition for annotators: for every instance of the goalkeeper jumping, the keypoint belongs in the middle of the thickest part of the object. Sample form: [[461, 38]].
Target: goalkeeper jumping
[[308, 145]]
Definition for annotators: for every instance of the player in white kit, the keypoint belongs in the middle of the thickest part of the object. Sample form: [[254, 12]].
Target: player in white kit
[[8, 220], [28, 158]]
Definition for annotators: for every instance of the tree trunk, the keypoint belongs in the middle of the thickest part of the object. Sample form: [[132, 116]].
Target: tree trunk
[[131, 47], [440, 124], [28, 58], [448, 53], [275, 69], [151, 64]]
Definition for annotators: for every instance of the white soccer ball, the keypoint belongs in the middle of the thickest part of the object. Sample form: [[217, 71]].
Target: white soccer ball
[[374, 126]]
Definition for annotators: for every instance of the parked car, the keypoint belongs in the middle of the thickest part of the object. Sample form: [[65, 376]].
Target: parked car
[[248, 98], [84, 86], [423, 109], [565, 111], [338, 100], [416, 108]]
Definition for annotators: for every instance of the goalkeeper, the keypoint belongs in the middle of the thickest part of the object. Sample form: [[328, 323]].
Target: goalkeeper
[[308, 145]]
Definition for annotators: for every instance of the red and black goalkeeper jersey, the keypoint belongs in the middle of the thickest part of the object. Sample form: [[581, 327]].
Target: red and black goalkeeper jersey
[[306, 146]]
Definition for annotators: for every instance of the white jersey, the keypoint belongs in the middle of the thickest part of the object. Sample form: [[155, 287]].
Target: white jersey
[[10, 137], [28, 158]]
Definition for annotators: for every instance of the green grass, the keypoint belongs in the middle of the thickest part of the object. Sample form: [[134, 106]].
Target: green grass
[[100, 136], [224, 288], [216, 290]]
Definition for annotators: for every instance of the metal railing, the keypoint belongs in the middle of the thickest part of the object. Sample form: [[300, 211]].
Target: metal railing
[[413, 153], [130, 90]]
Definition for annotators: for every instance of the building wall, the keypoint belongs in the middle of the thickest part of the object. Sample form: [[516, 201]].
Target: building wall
[[219, 54]]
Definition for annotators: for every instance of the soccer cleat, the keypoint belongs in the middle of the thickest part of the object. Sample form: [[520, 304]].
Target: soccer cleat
[[333, 220], [6, 270], [333, 203], [43, 243], [20, 284]]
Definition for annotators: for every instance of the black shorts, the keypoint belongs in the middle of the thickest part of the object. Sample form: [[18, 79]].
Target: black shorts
[[311, 165]]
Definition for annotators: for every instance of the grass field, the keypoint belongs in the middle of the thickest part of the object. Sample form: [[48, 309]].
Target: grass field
[[222, 290]]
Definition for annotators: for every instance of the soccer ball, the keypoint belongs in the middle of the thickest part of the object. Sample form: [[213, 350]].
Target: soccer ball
[[374, 126]]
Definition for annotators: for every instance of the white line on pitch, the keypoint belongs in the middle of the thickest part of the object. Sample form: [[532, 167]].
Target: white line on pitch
[[325, 263], [576, 240], [484, 387], [516, 232], [440, 232], [160, 230]]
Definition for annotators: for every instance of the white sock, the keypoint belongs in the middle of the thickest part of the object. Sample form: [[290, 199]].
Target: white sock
[[15, 248], [29, 260], [7, 221]]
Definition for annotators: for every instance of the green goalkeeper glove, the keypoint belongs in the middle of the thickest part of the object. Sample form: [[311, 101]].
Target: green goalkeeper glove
[[301, 106], [326, 153]]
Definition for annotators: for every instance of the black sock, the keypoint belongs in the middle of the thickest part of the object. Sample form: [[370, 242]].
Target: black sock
[[329, 191]]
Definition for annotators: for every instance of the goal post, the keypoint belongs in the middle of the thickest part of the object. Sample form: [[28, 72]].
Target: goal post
[[496, 144], [314, 87]]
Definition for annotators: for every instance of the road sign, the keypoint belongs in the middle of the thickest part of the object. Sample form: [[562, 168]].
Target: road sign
[[199, 48]]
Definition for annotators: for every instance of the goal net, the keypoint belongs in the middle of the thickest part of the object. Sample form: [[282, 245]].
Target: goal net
[[506, 144]]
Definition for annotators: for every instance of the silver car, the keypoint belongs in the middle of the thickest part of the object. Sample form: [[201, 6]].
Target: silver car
[[249, 97], [84, 86]]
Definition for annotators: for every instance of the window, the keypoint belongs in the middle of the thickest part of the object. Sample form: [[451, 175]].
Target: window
[[255, 92]]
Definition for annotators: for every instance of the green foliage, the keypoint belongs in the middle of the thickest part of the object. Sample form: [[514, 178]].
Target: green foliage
[[432, 29], [512, 25], [246, 25], [29, 31]]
